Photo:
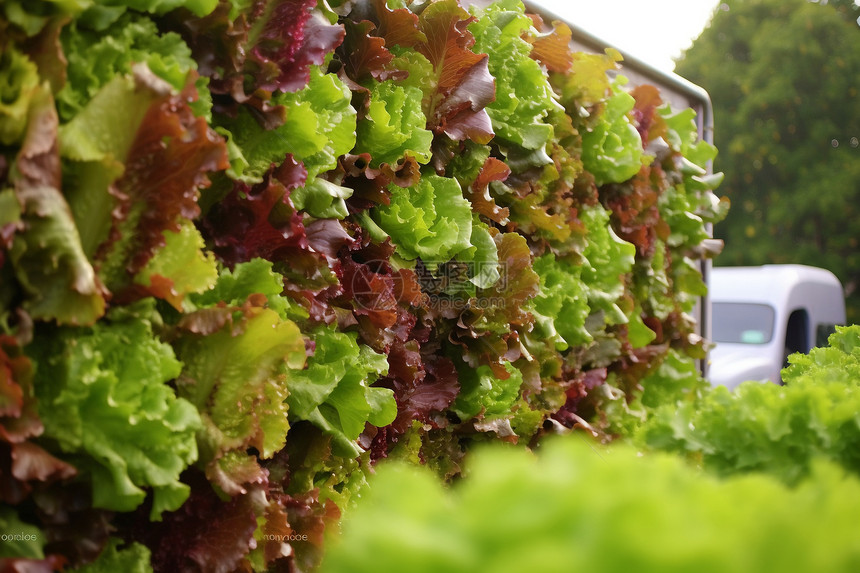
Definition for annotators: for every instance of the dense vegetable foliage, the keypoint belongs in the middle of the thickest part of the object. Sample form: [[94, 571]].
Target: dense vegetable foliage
[[586, 507], [774, 429], [783, 497], [250, 248]]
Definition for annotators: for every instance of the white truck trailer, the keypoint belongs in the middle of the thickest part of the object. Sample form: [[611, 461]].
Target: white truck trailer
[[761, 315]]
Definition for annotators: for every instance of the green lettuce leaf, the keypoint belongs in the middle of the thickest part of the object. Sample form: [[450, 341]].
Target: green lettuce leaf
[[44, 247], [19, 80], [198, 7], [180, 267], [607, 260], [320, 124], [131, 558], [50, 265], [780, 430], [688, 206], [484, 395], [237, 366], [430, 220], [394, 125], [605, 509], [235, 286], [96, 57], [103, 398], [482, 258], [561, 307], [524, 97], [322, 199], [612, 149], [319, 127], [32, 16], [334, 391]]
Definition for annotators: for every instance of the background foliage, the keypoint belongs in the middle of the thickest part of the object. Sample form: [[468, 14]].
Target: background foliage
[[783, 78]]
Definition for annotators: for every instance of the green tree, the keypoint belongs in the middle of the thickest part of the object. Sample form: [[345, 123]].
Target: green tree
[[784, 77]]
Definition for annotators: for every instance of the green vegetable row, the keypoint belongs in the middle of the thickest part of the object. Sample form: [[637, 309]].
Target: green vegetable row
[[772, 484]]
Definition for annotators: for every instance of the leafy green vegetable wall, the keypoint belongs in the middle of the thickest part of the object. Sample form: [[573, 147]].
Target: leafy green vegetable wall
[[248, 248]]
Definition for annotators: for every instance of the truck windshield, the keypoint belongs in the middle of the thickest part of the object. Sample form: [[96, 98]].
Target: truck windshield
[[741, 322]]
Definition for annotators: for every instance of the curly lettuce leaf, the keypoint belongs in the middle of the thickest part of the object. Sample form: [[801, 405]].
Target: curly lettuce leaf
[[561, 307], [524, 97], [50, 265], [319, 127], [482, 258], [199, 7], [46, 254], [435, 52], [484, 395], [320, 123], [253, 48], [234, 287], [33, 16], [365, 56], [687, 207], [187, 150], [780, 430], [430, 220], [394, 126], [605, 509], [259, 220], [132, 124], [488, 328], [286, 38], [96, 57], [553, 48], [237, 365], [608, 259], [97, 141], [334, 391], [130, 558], [463, 84], [612, 149], [181, 267], [104, 400], [19, 80]]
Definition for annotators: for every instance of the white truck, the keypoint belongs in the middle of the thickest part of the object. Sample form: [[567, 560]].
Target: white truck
[[761, 315]]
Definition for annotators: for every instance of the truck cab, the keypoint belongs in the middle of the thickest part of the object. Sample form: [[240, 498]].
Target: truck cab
[[761, 315]]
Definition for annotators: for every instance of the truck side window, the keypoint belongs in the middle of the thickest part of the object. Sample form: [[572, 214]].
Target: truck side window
[[823, 332], [796, 337]]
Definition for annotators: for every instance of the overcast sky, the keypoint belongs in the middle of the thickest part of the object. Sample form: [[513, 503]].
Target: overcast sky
[[655, 31]]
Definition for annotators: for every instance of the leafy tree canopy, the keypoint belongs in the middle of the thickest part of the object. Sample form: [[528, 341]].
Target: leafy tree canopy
[[784, 77]]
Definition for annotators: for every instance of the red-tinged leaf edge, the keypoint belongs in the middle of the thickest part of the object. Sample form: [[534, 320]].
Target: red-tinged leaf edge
[[152, 200], [552, 48]]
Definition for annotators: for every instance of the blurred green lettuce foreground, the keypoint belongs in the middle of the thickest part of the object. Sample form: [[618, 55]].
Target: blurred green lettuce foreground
[[576, 505], [574, 508]]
